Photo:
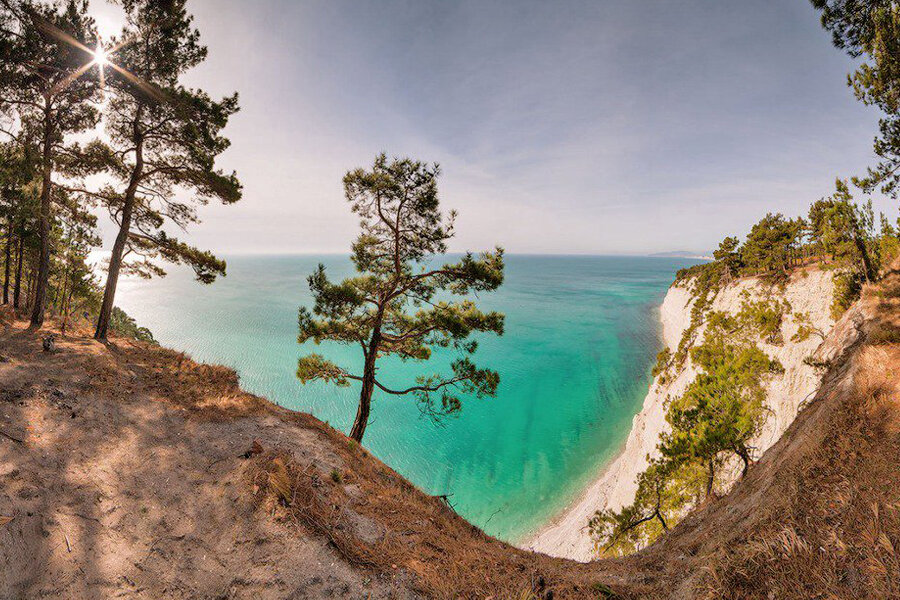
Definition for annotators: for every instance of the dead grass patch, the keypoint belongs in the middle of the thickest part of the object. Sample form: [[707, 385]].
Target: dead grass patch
[[835, 533]]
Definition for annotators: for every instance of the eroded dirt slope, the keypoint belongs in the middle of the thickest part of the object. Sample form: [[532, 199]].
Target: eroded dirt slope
[[130, 471]]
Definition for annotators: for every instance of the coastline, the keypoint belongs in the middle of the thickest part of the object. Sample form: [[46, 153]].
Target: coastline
[[614, 486], [809, 291]]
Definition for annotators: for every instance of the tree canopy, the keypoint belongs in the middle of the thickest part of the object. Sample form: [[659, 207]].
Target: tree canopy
[[164, 139], [870, 29]]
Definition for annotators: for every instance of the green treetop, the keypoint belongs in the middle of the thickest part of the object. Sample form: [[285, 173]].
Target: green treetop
[[770, 246], [871, 29], [845, 230], [398, 304]]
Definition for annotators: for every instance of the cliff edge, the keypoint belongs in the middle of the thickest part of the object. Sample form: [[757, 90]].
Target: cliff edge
[[808, 291]]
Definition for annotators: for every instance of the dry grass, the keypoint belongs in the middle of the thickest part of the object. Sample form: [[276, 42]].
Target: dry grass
[[378, 521], [884, 334], [835, 532]]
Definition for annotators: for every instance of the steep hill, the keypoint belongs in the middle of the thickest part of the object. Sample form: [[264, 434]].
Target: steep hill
[[127, 470]]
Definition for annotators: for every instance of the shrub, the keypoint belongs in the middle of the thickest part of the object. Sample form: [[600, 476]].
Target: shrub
[[884, 335], [847, 289]]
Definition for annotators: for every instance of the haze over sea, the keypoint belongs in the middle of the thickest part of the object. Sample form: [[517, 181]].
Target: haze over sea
[[581, 336]]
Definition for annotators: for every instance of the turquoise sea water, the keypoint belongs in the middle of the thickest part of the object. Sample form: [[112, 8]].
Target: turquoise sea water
[[581, 336]]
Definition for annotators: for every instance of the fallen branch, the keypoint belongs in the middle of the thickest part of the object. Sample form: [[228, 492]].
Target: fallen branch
[[9, 437]]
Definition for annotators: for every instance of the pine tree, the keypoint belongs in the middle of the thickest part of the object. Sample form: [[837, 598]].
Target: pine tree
[[44, 60], [871, 29], [165, 139], [397, 304]]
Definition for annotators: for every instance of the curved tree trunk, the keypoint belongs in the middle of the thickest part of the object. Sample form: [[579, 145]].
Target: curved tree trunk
[[118, 251], [745, 457], [368, 386]]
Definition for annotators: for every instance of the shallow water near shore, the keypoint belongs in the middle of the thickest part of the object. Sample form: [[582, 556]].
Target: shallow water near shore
[[581, 336]]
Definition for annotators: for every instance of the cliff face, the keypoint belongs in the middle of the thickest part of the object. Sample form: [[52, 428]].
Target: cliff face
[[808, 291]]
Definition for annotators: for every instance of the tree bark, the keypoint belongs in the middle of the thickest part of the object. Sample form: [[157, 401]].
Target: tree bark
[[8, 258], [67, 307], [868, 268], [43, 274], [368, 386], [17, 288], [745, 457], [710, 478], [118, 251], [60, 300]]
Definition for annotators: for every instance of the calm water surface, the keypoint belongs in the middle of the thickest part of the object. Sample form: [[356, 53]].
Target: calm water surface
[[581, 336]]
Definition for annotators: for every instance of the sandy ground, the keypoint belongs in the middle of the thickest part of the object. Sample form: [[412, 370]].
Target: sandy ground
[[124, 494]]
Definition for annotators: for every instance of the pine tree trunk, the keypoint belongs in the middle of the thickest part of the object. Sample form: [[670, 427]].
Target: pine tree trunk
[[869, 269], [118, 251], [67, 306], [710, 478], [368, 386], [30, 284], [7, 260], [60, 300], [18, 285], [43, 274], [745, 457]]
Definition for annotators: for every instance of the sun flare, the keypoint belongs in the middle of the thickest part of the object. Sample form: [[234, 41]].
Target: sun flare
[[100, 56]]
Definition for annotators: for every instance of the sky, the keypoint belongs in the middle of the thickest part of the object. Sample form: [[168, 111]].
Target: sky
[[561, 127]]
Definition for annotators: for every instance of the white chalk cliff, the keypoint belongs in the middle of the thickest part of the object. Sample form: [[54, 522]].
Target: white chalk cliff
[[809, 291]]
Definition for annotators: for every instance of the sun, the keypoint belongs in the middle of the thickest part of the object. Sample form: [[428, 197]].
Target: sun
[[101, 58]]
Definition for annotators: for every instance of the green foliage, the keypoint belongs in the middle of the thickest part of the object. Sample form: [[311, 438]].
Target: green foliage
[[712, 422], [664, 490], [847, 289], [888, 243], [770, 245], [722, 409], [663, 361], [763, 318], [704, 281], [870, 29], [399, 304], [729, 255], [805, 328], [164, 140], [126, 326]]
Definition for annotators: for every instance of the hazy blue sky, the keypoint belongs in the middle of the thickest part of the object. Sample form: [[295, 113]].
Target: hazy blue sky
[[565, 127]]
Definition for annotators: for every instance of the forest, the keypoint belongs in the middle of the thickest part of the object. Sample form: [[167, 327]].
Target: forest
[[95, 128]]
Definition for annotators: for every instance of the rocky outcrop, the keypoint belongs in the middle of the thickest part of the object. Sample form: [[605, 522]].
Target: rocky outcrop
[[808, 291]]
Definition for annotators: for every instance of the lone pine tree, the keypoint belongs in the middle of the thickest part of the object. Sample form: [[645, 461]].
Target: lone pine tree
[[398, 304]]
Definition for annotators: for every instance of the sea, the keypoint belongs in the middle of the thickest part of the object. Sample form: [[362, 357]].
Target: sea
[[582, 333]]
